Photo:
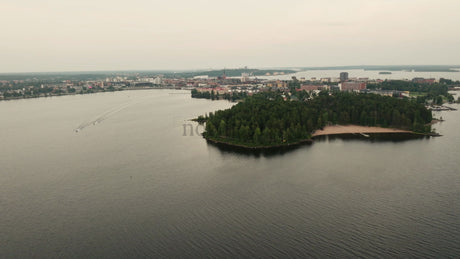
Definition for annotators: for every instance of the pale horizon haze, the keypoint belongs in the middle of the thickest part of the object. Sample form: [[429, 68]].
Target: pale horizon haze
[[52, 35]]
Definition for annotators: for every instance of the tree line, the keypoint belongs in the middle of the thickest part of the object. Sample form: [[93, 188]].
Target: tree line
[[431, 92], [233, 96]]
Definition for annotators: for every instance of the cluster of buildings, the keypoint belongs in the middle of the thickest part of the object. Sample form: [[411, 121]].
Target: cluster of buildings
[[343, 86], [220, 85], [341, 83], [251, 86], [421, 80]]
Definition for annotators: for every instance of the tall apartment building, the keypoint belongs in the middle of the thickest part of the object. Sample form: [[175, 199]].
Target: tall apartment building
[[343, 76]]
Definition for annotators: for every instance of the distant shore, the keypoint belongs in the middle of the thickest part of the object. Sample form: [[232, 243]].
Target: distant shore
[[86, 93], [355, 129]]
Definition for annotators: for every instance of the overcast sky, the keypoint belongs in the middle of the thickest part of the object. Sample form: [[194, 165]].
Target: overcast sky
[[82, 35]]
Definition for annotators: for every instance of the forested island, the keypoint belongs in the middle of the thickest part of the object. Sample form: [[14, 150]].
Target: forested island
[[267, 120]]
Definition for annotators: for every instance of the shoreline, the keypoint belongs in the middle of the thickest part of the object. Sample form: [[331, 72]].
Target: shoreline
[[246, 147], [335, 130], [73, 94]]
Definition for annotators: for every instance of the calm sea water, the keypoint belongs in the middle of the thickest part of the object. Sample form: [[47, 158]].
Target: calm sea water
[[113, 175]]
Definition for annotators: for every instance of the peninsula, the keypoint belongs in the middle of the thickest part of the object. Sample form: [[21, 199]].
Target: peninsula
[[267, 120]]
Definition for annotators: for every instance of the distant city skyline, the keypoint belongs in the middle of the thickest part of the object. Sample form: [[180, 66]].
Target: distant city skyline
[[52, 35]]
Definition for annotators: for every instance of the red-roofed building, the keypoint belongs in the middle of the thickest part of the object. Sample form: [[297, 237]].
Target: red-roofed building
[[353, 86]]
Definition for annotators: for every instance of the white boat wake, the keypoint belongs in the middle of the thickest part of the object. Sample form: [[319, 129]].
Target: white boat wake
[[104, 116]]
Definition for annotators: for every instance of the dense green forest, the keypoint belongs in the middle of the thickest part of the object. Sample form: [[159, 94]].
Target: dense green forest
[[401, 85], [435, 92], [265, 119], [216, 96]]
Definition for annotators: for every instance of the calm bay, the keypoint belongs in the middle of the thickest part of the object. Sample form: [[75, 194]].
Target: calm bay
[[125, 174]]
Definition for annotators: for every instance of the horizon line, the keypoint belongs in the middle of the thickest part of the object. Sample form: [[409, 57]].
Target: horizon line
[[229, 68]]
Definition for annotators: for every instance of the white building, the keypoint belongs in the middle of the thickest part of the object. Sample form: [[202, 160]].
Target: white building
[[244, 77], [157, 81]]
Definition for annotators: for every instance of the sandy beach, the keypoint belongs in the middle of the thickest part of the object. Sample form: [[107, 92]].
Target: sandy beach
[[355, 129]]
